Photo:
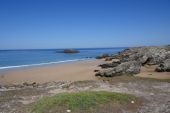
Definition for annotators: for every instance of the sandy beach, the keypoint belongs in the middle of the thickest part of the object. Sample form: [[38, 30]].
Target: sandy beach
[[71, 71], [149, 72]]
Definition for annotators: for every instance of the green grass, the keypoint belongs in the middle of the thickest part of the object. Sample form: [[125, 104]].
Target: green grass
[[86, 100]]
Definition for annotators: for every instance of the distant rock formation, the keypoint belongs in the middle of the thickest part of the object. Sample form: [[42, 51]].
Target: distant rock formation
[[131, 60], [102, 56], [70, 51]]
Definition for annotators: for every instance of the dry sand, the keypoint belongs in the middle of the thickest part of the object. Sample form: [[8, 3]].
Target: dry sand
[[149, 72], [72, 71]]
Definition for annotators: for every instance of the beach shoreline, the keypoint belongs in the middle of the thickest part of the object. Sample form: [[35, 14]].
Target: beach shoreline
[[41, 64], [67, 71]]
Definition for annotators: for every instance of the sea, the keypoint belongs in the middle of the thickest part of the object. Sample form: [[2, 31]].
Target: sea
[[37, 57]]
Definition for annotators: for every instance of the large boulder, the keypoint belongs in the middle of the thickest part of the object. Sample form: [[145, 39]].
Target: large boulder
[[165, 66], [70, 51], [146, 55], [157, 55], [131, 67]]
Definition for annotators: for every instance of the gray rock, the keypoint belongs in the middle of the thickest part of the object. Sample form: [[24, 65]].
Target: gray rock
[[34, 84], [102, 56], [145, 55], [131, 67], [109, 65], [165, 66], [132, 59]]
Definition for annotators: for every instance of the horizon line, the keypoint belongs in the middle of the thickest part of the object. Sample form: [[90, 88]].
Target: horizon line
[[63, 48]]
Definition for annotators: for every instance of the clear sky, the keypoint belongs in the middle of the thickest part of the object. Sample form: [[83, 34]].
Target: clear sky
[[83, 23]]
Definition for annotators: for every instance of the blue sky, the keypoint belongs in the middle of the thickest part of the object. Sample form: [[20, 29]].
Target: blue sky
[[83, 23]]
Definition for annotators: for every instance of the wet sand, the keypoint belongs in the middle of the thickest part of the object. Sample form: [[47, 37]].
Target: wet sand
[[72, 71]]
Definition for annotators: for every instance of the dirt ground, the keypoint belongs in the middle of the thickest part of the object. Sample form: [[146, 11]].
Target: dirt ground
[[154, 95]]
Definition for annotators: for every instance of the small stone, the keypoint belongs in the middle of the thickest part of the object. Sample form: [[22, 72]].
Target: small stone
[[68, 111], [132, 102], [152, 94]]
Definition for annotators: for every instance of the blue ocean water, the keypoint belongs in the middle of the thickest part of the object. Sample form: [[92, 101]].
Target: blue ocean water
[[22, 58]]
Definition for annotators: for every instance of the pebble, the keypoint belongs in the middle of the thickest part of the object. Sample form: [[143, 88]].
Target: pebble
[[68, 111], [132, 102]]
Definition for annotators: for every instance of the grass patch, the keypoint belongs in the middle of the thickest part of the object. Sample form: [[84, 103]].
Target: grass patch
[[80, 101]]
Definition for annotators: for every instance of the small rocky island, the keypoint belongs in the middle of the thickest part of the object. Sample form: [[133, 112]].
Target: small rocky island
[[68, 51], [131, 60], [71, 51]]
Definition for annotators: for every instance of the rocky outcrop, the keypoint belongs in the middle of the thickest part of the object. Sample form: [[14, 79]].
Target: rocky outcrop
[[165, 66], [70, 51], [102, 56], [110, 65], [132, 59], [145, 55], [34, 84], [131, 67]]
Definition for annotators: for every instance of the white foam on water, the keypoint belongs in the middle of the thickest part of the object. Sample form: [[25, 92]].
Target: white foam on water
[[19, 66]]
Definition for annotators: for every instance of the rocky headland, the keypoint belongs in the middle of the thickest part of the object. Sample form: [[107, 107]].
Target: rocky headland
[[130, 61]]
